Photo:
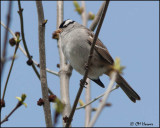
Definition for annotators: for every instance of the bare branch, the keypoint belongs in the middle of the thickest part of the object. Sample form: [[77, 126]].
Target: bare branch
[[65, 69], [7, 28], [97, 17], [88, 109], [23, 38], [24, 41], [117, 86], [103, 102], [19, 104], [6, 37], [84, 14], [8, 76], [6, 118], [43, 78], [23, 51], [83, 81]]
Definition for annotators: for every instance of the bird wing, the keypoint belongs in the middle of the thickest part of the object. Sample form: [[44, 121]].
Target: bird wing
[[100, 48]]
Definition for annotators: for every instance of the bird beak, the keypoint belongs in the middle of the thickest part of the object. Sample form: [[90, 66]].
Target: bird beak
[[55, 34]]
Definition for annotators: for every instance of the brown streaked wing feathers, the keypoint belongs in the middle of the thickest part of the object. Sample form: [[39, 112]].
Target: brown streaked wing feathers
[[101, 49]]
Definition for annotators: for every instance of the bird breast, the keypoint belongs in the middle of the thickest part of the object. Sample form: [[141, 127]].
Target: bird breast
[[77, 49]]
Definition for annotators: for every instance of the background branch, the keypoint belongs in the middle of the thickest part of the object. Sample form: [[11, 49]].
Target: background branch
[[23, 37], [24, 41], [65, 69], [8, 76], [83, 81], [103, 102], [43, 78], [84, 14], [6, 38], [88, 108], [23, 51], [19, 104], [117, 86], [6, 118], [97, 17]]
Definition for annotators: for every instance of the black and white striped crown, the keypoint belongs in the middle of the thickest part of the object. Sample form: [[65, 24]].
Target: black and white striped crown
[[65, 23]]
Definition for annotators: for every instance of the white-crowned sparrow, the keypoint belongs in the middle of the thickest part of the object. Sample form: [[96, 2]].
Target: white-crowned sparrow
[[76, 42]]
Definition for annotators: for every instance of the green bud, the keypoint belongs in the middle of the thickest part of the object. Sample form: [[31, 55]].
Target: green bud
[[23, 97], [117, 66], [91, 16], [76, 4]]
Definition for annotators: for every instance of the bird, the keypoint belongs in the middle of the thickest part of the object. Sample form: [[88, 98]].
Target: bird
[[76, 41]]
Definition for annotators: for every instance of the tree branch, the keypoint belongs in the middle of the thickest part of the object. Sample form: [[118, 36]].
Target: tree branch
[[117, 86], [6, 37], [6, 118], [103, 102], [24, 41], [23, 38], [50, 71], [43, 78], [19, 104], [8, 76], [88, 109], [83, 81], [65, 69], [23, 51], [84, 14], [97, 17]]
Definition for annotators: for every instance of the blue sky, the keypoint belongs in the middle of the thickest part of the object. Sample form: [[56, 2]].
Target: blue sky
[[130, 31]]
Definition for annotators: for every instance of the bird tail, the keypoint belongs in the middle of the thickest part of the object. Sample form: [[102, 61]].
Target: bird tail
[[133, 96]]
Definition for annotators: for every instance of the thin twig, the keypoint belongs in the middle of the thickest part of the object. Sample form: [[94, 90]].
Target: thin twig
[[55, 73], [96, 98], [24, 41], [6, 38], [43, 77], [88, 109], [8, 76], [97, 17], [103, 102], [84, 14], [19, 104], [23, 38], [9, 58], [83, 81], [23, 51], [8, 29]]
